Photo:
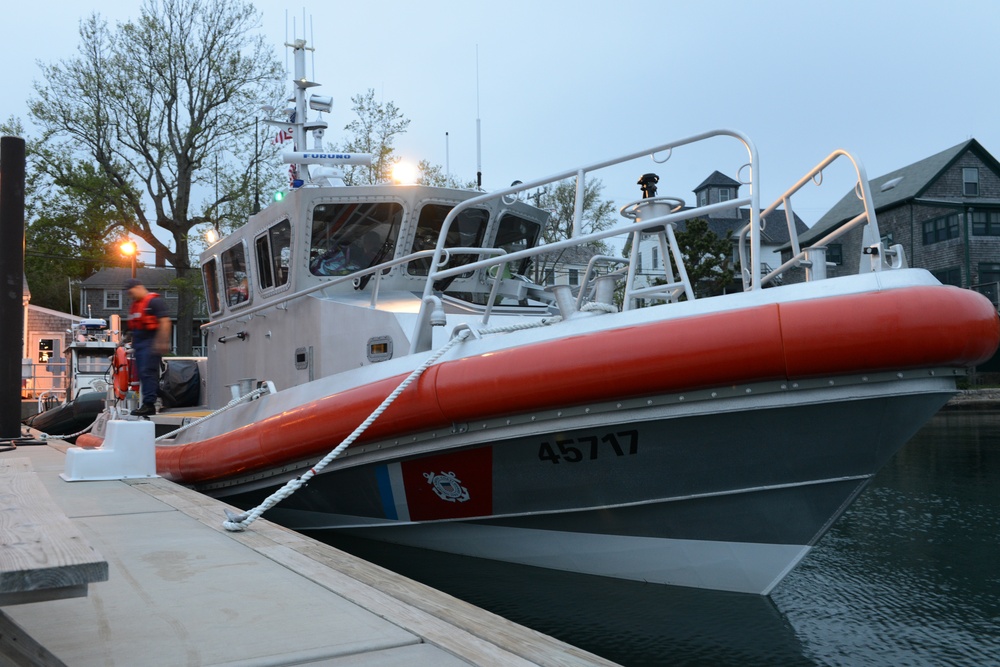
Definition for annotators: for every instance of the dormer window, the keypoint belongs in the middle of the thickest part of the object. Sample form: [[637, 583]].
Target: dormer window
[[703, 198], [970, 182], [725, 194]]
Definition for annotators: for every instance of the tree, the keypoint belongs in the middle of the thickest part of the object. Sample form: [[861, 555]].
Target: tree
[[560, 201], [373, 131], [68, 235], [707, 257], [433, 174], [73, 236], [151, 104]]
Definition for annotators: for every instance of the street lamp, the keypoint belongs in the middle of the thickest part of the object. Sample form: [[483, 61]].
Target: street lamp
[[129, 249]]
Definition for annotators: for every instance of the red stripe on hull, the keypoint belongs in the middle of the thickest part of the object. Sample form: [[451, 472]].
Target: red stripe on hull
[[894, 330]]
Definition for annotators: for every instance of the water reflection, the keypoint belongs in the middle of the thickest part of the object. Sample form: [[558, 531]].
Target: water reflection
[[908, 576]]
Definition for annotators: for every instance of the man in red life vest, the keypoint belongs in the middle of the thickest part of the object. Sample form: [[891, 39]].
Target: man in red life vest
[[149, 323]]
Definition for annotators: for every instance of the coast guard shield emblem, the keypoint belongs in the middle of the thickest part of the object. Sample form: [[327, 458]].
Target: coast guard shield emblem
[[447, 486]]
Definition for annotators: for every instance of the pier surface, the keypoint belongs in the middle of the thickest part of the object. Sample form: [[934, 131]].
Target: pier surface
[[181, 590]]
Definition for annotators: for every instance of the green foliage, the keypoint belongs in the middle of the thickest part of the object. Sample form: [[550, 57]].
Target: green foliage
[[156, 108], [560, 201], [373, 132], [433, 174], [76, 233], [707, 258]]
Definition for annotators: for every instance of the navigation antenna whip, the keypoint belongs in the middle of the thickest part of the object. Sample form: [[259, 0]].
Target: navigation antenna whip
[[479, 140]]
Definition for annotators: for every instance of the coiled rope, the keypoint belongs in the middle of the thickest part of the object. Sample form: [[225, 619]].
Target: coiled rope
[[238, 522]]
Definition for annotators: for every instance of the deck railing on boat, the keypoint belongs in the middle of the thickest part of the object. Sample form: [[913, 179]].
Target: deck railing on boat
[[814, 261], [637, 227]]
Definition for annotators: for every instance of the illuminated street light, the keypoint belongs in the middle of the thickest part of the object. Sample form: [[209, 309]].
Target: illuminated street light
[[129, 249]]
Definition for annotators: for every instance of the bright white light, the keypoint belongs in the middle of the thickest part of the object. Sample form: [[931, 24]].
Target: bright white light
[[405, 173], [211, 236]]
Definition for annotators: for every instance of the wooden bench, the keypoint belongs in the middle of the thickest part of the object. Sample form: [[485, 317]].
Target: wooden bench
[[42, 554]]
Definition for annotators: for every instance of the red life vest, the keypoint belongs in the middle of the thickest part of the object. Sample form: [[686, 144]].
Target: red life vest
[[140, 317]]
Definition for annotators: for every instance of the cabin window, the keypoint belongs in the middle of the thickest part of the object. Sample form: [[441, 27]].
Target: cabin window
[[941, 229], [234, 275], [273, 250], [514, 234], [465, 232], [209, 274], [351, 237], [970, 182]]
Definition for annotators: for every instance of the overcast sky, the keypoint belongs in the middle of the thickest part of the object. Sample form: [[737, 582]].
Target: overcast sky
[[562, 83]]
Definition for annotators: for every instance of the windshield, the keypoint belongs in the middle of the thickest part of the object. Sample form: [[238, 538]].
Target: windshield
[[349, 237], [465, 232]]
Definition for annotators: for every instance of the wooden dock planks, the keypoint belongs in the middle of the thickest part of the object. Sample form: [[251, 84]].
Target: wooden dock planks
[[42, 554]]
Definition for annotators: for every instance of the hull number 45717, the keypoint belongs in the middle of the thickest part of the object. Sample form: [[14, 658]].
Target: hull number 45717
[[589, 447]]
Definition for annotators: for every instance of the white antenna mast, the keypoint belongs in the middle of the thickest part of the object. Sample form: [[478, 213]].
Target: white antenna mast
[[479, 141], [447, 159]]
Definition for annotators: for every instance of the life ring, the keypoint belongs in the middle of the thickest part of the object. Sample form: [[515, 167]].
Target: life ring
[[120, 373]]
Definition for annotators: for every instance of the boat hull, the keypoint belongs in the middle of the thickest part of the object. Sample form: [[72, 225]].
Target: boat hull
[[725, 493]]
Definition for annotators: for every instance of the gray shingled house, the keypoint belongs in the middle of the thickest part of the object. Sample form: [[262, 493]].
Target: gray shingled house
[[943, 210]]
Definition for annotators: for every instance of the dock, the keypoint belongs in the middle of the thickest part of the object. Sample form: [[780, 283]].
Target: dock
[[150, 577]]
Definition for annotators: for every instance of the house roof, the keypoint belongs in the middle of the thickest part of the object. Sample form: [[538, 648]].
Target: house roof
[[115, 278], [775, 230], [56, 313], [898, 187], [573, 255], [718, 179]]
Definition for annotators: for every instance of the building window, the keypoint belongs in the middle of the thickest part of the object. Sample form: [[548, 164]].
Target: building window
[[112, 299], [941, 229], [970, 182], [989, 273], [985, 224], [574, 277], [725, 194], [703, 198], [835, 254], [952, 276], [656, 258], [550, 277]]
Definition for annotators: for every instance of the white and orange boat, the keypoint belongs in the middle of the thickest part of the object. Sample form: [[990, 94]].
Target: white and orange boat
[[706, 442]]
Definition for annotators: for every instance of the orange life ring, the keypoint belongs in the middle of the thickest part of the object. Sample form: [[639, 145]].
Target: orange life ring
[[120, 373]]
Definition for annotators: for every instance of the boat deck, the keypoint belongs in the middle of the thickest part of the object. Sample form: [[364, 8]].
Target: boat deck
[[182, 590]]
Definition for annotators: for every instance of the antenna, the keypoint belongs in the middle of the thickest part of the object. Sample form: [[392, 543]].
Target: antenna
[[479, 127], [447, 160], [311, 39]]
